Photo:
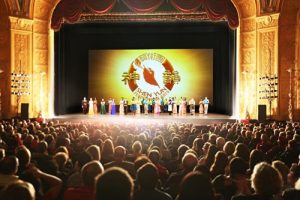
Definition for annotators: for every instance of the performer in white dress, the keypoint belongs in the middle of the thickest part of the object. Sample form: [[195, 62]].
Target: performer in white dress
[[206, 103], [121, 108], [138, 106], [181, 106], [91, 107], [192, 106], [201, 106], [170, 106]]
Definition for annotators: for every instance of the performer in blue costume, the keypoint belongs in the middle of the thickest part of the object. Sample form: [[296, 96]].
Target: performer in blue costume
[[113, 107], [133, 107]]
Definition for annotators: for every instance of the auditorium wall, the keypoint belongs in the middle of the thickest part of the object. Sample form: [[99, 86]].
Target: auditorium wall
[[267, 42]]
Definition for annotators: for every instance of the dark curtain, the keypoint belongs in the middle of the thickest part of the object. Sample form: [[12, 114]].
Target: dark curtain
[[73, 42]]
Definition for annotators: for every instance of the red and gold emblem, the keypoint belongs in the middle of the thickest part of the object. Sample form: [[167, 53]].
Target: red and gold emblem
[[151, 75]]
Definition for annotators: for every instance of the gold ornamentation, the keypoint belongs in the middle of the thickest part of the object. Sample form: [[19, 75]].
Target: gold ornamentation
[[41, 57], [248, 25], [267, 51], [41, 26], [267, 21], [21, 50], [21, 24], [248, 40], [41, 41]]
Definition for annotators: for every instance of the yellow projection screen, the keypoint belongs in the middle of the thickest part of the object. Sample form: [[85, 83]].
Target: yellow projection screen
[[151, 73]]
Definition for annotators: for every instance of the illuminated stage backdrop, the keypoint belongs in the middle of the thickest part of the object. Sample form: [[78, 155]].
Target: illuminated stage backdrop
[[151, 73]]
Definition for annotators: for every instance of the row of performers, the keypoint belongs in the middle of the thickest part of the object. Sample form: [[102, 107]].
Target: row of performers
[[145, 106]]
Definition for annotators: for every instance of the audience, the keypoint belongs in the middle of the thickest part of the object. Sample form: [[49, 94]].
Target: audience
[[115, 183], [225, 161]]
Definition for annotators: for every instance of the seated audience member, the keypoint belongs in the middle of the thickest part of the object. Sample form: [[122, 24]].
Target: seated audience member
[[220, 164], [292, 193], [155, 157], [147, 180], [120, 155], [294, 175], [75, 179], [18, 190], [44, 161], [189, 161], [94, 151], [107, 153], [196, 186], [266, 182], [88, 173], [114, 184], [284, 171], [8, 170], [237, 181], [136, 151]]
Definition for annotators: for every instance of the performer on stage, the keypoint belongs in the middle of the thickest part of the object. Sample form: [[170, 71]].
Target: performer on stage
[[184, 105], [138, 106], [109, 105], [142, 105], [145, 103], [153, 105], [157, 106], [181, 106], [84, 106], [201, 106], [170, 106], [121, 109], [162, 105], [206, 103], [166, 104], [113, 107], [174, 103], [133, 107], [192, 106], [125, 106], [102, 108], [91, 107], [150, 109], [95, 106]]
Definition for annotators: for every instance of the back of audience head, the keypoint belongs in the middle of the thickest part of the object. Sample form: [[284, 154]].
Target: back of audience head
[[94, 151], [24, 156], [241, 150], [9, 165], [115, 183], [89, 171], [137, 147], [120, 153], [140, 161], [195, 186], [256, 157], [229, 148], [147, 176], [189, 161], [18, 190], [237, 167], [283, 169], [266, 180]]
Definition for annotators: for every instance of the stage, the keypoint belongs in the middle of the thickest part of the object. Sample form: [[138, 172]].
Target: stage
[[198, 119]]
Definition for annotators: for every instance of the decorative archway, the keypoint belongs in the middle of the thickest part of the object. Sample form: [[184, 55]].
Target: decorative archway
[[257, 36]]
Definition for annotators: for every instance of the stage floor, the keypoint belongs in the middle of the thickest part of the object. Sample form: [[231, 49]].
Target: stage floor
[[198, 119]]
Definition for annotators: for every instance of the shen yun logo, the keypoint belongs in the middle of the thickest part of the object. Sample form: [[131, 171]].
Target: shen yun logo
[[151, 75]]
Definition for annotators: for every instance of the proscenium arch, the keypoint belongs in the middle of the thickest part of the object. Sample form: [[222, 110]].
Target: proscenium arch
[[247, 11]]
